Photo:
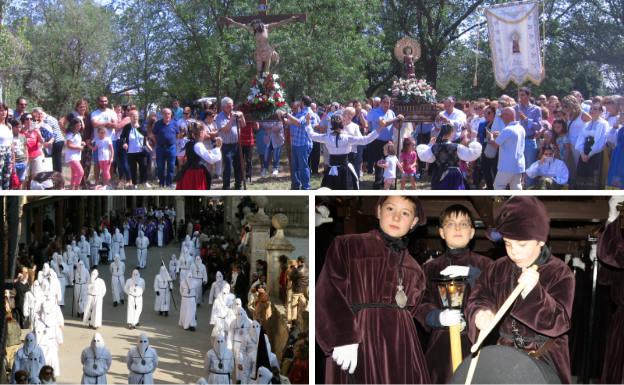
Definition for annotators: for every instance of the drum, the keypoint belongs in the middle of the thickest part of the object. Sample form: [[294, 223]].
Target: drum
[[499, 364]]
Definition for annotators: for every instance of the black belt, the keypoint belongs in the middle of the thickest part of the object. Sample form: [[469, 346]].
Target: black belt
[[359, 306], [339, 160], [188, 296], [225, 373]]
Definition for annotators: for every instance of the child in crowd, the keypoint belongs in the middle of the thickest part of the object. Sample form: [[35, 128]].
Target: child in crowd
[[105, 153], [409, 162], [389, 164], [21, 154], [73, 152], [562, 140]]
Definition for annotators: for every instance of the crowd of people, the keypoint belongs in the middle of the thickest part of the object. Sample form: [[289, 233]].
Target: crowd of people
[[208, 265], [532, 142]]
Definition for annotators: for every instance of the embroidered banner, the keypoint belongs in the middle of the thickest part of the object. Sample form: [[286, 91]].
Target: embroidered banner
[[515, 42]]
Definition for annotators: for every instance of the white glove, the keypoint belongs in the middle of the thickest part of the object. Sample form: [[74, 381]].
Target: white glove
[[530, 278], [483, 319], [577, 262], [450, 317], [455, 271], [593, 252], [345, 356]]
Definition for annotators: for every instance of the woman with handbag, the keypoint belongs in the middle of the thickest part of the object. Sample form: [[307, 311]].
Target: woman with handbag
[[134, 143]]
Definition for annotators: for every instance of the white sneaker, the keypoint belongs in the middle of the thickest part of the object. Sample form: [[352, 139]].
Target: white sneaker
[[147, 185], [263, 173], [275, 172]]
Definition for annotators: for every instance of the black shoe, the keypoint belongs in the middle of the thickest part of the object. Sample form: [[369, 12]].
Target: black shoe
[[160, 313], [137, 324], [122, 302], [130, 326], [166, 314], [115, 304], [197, 305], [192, 328]]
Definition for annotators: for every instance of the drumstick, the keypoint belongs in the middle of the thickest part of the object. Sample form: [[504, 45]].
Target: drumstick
[[499, 314], [484, 333]]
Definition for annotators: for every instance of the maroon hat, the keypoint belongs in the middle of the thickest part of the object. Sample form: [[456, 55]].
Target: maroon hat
[[522, 218]]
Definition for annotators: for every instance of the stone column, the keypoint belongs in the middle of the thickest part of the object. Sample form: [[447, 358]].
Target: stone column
[[179, 208], [276, 246], [260, 224]]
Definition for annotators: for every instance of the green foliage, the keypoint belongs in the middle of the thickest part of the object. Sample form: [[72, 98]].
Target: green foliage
[[56, 51]]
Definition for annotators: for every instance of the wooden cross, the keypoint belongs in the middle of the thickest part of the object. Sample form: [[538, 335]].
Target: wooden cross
[[262, 15]]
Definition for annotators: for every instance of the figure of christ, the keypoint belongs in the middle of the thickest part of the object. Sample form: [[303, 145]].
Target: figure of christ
[[265, 53]]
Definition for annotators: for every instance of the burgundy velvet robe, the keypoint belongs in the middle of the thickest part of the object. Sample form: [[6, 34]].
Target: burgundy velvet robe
[[546, 309], [438, 353], [361, 269], [611, 273]]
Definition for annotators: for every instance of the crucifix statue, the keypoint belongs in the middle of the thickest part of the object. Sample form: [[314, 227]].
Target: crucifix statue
[[260, 25]]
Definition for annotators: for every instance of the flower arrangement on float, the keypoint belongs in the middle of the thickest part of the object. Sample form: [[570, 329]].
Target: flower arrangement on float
[[266, 97], [413, 91]]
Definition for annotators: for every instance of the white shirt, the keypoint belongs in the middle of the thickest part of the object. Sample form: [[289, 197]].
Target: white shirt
[[458, 119], [552, 168], [575, 128], [103, 148], [106, 116], [343, 144], [6, 136], [391, 165], [76, 140], [209, 156], [597, 129], [354, 130]]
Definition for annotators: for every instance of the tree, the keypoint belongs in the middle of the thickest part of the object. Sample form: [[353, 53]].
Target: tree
[[71, 53]]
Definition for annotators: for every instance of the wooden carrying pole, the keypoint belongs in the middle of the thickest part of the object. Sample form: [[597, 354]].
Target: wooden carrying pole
[[484, 333]]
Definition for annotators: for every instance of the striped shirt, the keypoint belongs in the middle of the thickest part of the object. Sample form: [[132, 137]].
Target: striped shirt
[[230, 137], [56, 129]]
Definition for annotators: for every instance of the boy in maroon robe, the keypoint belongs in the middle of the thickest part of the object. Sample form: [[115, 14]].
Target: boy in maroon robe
[[611, 273], [367, 294], [539, 320], [457, 230]]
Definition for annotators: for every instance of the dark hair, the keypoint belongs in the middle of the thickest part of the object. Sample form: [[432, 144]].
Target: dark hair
[[6, 108], [336, 122], [306, 100], [20, 98], [406, 142], [564, 125], [45, 368], [526, 90], [72, 125], [548, 147], [195, 128], [456, 210], [445, 130]]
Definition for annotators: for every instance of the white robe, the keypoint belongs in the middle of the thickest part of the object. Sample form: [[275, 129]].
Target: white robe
[[173, 268], [85, 250], [140, 373], [184, 266], [200, 278], [188, 307], [49, 336], [82, 257], [117, 280], [108, 239], [61, 278], [55, 287], [31, 361], [70, 260], [81, 279], [126, 234], [163, 299], [93, 310], [96, 245], [161, 234], [141, 246], [215, 289], [135, 300], [118, 247], [95, 365], [216, 374]]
